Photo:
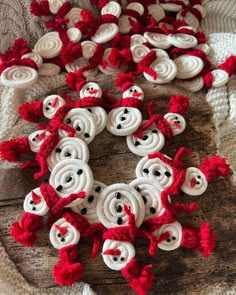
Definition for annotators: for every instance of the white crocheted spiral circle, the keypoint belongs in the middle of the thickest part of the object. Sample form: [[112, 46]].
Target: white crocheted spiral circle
[[152, 141], [113, 8], [195, 183], [157, 40], [177, 122], [35, 57], [165, 69], [123, 121], [110, 207], [151, 195], [118, 262], [55, 5], [181, 40], [137, 39], [36, 139], [188, 66], [51, 104], [39, 208], [88, 48], [49, 45], [174, 241], [88, 208], [74, 35], [100, 118], [70, 177], [68, 148], [220, 78], [82, 121], [105, 33], [60, 241], [19, 77], [139, 51], [192, 85], [155, 169], [135, 6], [74, 15], [156, 11]]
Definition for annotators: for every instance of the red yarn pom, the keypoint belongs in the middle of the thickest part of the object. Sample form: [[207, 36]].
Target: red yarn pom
[[40, 9], [24, 232], [178, 104], [214, 167], [31, 112], [141, 279], [12, 149]]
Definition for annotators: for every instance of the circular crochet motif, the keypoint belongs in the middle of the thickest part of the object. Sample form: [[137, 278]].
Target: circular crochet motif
[[34, 203]]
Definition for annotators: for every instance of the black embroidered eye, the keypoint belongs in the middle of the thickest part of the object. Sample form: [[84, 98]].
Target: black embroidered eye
[[152, 210], [145, 137], [78, 128], [126, 111], [59, 188], [154, 131], [144, 199], [197, 182], [37, 135], [49, 103], [68, 121], [83, 211], [137, 188], [86, 135], [173, 238], [88, 89], [118, 195], [178, 122], [90, 199], [98, 189], [58, 150], [59, 235], [119, 220], [122, 259], [167, 173], [119, 209], [90, 110], [118, 126], [31, 202], [80, 171], [157, 173], [114, 258], [168, 240], [146, 170], [62, 240], [137, 143], [131, 90], [33, 139], [199, 176], [47, 109], [176, 118], [69, 179], [91, 88], [67, 154], [135, 90], [34, 208]]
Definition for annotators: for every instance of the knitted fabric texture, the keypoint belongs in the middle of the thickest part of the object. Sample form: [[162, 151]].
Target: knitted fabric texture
[[12, 282]]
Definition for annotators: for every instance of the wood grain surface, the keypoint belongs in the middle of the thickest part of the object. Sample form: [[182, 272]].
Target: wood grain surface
[[181, 271]]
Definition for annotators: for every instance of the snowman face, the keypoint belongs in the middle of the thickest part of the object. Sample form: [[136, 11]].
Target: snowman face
[[134, 91], [51, 104], [177, 122], [90, 89], [68, 148], [195, 182], [118, 262], [88, 208], [151, 195], [36, 139], [174, 240], [100, 118], [123, 121], [70, 177], [82, 121], [34, 203], [63, 234], [156, 170], [110, 206], [152, 141]]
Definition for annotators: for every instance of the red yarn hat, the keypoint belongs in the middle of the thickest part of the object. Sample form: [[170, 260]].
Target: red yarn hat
[[67, 271], [24, 231], [214, 167], [125, 81], [31, 112], [76, 80], [202, 239], [178, 104], [10, 150], [141, 278]]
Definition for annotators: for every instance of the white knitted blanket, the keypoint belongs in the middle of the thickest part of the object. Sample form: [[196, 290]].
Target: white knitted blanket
[[16, 21]]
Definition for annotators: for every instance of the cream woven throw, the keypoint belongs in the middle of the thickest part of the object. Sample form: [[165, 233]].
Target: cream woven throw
[[16, 21]]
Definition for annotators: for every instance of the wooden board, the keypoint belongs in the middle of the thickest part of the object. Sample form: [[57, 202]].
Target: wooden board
[[178, 272]]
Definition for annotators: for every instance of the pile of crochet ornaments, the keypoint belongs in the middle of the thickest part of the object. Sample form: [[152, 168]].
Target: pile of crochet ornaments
[[159, 39]]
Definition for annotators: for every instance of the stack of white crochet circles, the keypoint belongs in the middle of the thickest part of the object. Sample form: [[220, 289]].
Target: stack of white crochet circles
[[157, 39]]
